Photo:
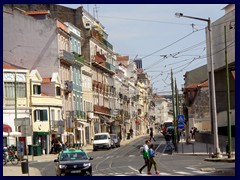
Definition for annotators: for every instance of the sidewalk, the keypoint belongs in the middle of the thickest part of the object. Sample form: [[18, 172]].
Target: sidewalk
[[198, 148]]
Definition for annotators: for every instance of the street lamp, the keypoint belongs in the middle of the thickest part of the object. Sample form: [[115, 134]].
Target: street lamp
[[212, 84]]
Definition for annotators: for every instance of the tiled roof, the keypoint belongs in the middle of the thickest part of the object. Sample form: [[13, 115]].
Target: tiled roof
[[193, 86], [7, 66], [204, 84], [36, 12]]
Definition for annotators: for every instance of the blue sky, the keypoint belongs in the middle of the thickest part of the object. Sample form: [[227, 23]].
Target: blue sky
[[154, 33]]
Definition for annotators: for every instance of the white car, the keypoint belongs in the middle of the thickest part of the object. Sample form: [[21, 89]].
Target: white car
[[102, 141]]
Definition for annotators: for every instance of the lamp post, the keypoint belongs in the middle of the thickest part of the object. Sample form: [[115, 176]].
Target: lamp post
[[212, 84]]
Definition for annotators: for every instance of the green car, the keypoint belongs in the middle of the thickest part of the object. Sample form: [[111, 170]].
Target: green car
[[73, 162]]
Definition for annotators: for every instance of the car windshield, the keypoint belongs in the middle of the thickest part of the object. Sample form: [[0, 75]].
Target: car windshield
[[99, 137], [73, 156]]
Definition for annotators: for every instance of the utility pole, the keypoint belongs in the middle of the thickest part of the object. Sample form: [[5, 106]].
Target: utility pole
[[211, 85], [177, 108], [15, 92], [174, 117], [228, 99]]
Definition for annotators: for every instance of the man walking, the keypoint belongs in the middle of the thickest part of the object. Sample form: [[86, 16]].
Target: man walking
[[151, 134], [168, 146], [145, 157]]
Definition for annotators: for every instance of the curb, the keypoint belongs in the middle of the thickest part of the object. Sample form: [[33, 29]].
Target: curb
[[220, 160]]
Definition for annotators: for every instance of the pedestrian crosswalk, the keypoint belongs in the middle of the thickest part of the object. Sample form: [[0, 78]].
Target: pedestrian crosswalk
[[130, 171]]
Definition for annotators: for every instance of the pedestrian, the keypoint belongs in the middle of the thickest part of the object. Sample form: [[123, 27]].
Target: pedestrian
[[191, 132], [194, 130], [52, 150], [145, 157], [131, 132], [168, 146], [152, 160], [151, 134]]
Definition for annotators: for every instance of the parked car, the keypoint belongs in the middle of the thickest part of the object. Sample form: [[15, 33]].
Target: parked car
[[113, 145], [116, 139], [73, 162], [102, 141]]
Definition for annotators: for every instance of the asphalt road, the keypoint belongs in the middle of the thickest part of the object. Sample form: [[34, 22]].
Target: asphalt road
[[126, 160]]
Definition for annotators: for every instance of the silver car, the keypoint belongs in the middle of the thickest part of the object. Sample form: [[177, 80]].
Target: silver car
[[116, 140]]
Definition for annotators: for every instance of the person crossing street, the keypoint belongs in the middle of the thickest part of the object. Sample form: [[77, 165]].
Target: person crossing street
[[152, 160], [145, 157]]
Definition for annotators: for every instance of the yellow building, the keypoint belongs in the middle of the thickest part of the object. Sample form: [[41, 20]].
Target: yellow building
[[46, 104]]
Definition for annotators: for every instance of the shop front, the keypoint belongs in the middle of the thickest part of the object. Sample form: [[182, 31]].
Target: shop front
[[41, 140]]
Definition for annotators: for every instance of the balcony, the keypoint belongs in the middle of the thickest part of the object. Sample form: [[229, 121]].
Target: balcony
[[78, 58], [99, 61], [107, 44], [110, 67], [102, 109], [80, 114], [96, 35], [66, 57]]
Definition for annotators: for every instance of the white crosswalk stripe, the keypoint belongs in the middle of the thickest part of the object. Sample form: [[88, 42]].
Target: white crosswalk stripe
[[134, 172]]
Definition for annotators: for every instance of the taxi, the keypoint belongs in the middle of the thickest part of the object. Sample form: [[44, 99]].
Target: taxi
[[73, 162]]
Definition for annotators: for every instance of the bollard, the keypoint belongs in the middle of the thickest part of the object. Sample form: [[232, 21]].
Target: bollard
[[182, 148], [193, 147], [207, 147], [24, 166], [210, 151]]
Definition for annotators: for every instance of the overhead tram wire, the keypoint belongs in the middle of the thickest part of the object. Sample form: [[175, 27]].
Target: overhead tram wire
[[147, 20], [166, 56], [184, 50], [171, 44], [187, 64]]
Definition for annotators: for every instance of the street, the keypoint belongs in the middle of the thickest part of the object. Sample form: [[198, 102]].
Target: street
[[127, 159]]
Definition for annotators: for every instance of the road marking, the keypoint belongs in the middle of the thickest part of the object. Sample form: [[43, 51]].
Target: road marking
[[183, 173], [200, 172], [165, 174], [191, 168], [130, 167]]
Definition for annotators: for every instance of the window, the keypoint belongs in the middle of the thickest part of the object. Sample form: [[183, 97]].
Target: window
[[59, 114], [52, 118], [36, 89], [9, 88], [40, 115], [58, 91]]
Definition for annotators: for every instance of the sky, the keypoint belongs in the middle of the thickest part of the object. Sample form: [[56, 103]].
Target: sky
[[153, 33]]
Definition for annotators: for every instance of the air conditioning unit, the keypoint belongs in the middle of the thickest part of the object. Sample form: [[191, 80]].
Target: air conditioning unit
[[87, 25], [68, 86]]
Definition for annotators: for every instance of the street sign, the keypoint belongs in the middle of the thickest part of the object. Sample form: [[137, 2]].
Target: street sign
[[180, 118], [180, 121]]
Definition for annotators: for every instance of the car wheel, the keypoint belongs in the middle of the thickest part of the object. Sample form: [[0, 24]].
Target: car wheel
[[95, 149]]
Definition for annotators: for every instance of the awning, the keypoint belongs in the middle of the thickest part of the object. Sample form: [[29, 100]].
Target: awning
[[40, 133], [5, 134], [7, 128], [12, 134], [105, 119], [15, 134]]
